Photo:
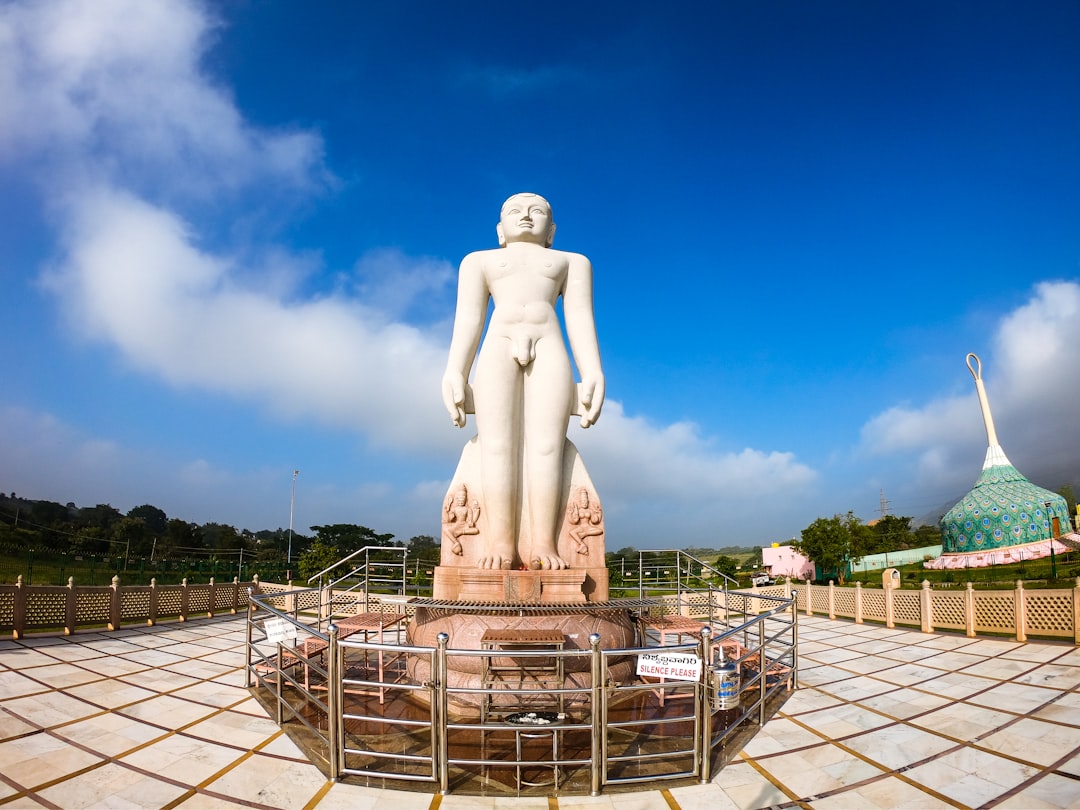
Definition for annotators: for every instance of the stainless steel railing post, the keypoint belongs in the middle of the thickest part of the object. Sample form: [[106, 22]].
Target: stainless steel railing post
[[334, 702], [250, 619], [795, 639], [703, 715], [441, 744], [764, 660], [598, 766]]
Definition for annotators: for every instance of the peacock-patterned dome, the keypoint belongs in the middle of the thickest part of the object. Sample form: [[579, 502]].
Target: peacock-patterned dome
[[1002, 509]]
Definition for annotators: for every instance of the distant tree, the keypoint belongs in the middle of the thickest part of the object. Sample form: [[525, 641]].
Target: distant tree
[[221, 536], [318, 557], [348, 537], [131, 538], [926, 536], [422, 545], [726, 565], [180, 540], [834, 543], [890, 533], [154, 518], [101, 516], [1066, 492]]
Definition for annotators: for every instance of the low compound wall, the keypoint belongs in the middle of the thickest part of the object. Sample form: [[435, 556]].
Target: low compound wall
[[1022, 612], [66, 608]]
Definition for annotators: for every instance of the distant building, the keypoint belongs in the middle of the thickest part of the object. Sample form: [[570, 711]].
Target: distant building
[[785, 561]]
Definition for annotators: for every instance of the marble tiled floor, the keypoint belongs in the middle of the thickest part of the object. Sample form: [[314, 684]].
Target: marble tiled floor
[[159, 718]]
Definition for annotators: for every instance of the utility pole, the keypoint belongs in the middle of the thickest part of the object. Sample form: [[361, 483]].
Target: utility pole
[[292, 504], [884, 507]]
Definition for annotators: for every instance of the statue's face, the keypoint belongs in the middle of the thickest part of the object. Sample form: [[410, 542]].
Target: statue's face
[[526, 218], [583, 496]]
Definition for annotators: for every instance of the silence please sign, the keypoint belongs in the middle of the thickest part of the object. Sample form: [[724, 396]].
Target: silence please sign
[[676, 666]]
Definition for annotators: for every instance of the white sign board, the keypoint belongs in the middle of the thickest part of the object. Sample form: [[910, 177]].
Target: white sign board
[[675, 666], [279, 630]]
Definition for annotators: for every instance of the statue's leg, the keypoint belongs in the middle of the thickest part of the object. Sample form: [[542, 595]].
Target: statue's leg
[[497, 397], [549, 387]]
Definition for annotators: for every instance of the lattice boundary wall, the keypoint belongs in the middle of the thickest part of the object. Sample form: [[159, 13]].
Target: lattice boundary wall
[[1017, 613], [53, 608], [1044, 613]]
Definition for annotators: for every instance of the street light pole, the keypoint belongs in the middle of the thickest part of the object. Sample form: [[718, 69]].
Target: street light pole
[[1050, 531], [292, 505]]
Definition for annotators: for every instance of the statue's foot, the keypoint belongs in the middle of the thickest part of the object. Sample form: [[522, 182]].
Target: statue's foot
[[548, 562], [495, 562]]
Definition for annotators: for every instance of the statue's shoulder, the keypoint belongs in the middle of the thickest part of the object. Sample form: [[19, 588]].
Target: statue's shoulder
[[576, 259], [478, 258]]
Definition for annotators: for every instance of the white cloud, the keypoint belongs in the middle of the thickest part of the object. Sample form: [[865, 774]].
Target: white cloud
[[114, 89], [133, 279]]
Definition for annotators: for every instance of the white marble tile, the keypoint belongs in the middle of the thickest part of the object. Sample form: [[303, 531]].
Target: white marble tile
[[50, 708], [889, 793], [271, 781], [1051, 791], [39, 758], [184, 759], [841, 721], [702, 797], [824, 768], [110, 734], [15, 684], [898, 746], [1055, 676], [1066, 709], [970, 776], [167, 711], [1034, 741], [1015, 697], [237, 729], [962, 721], [112, 786]]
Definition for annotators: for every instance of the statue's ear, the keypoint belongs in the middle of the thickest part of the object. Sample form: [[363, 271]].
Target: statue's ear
[[550, 235], [499, 233]]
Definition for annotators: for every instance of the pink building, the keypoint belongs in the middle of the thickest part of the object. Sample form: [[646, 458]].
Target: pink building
[[784, 561]]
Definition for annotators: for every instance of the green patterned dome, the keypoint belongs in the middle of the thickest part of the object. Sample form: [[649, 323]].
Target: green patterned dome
[[1003, 509]]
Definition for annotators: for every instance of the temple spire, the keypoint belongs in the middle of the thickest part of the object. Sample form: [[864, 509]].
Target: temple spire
[[995, 456]]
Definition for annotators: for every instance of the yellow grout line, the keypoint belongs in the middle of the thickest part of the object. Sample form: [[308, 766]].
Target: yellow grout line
[[674, 805], [436, 801], [773, 780], [320, 794]]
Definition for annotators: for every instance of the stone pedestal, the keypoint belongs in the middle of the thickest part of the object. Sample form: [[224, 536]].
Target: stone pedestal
[[565, 587], [466, 629]]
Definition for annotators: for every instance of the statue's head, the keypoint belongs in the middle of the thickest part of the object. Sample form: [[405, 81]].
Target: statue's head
[[526, 218]]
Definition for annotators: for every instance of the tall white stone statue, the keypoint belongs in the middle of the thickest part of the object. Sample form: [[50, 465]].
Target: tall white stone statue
[[521, 497]]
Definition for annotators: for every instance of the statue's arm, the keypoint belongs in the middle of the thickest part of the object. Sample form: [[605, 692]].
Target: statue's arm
[[472, 303], [581, 329]]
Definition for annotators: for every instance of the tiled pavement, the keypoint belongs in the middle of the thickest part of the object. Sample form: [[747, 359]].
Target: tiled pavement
[[159, 718]]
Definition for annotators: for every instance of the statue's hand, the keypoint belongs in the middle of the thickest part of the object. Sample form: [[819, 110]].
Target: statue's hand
[[453, 393], [592, 398]]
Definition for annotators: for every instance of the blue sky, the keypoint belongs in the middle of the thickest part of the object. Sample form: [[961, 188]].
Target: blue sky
[[230, 237]]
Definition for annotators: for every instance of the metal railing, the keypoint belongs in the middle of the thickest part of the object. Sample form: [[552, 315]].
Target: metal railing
[[693, 582], [374, 569], [327, 690]]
